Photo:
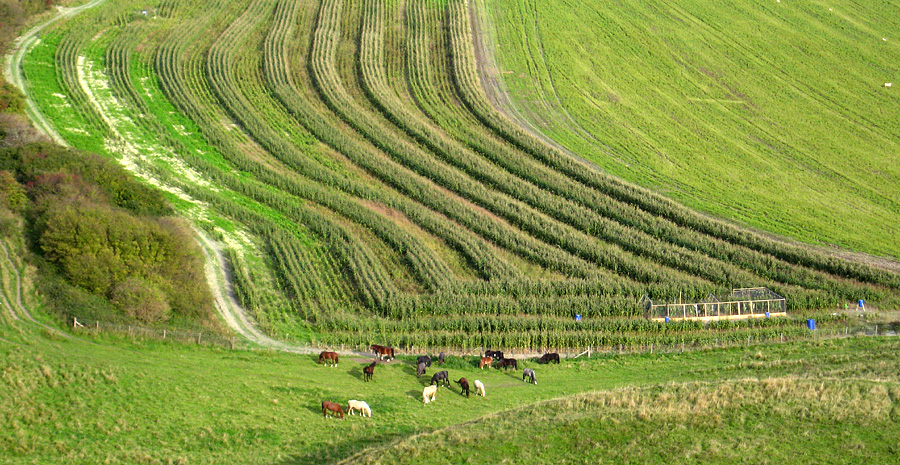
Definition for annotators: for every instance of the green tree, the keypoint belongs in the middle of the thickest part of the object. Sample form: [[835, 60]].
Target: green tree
[[12, 194]]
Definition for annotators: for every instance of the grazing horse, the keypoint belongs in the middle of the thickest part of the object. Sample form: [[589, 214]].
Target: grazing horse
[[363, 408], [382, 351], [369, 371], [495, 354], [441, 357], [440, 376], [479, 388], [508, 362], [420, 370], [424, 359], [330, 358], [429, 391], [463, 386], [547, 358], [485, 362], [332, 407], [528, 373]]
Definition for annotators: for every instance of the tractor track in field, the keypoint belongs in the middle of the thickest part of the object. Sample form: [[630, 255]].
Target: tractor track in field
[[15, 75]]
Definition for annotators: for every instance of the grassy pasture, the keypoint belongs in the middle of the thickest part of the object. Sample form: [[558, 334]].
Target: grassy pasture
[[120, 401], [771, 114]]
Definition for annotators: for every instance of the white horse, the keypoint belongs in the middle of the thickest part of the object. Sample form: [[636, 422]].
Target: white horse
[[429, 391], [479, 388], [359, 405]]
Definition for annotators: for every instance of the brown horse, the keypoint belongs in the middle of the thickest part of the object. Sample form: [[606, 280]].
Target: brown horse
[[485, 362], [332, 407], [464, 387], [369, 371], [382, 351], [329, 358]]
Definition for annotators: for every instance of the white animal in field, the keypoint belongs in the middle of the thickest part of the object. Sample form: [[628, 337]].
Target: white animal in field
[[887, 84], [479, 388], [359, 405], [429, 391]]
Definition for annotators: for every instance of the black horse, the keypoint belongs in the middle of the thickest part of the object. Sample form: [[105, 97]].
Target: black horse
[[547, 358], [424, 359], [369, 371], [420, 370], [495, 354], [441, 357], [439, 377]]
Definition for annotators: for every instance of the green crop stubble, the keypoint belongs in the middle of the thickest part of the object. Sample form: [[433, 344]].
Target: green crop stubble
[[427, 94], [358, 184]]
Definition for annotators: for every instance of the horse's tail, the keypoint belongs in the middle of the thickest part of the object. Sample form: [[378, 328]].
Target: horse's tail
[[392, 352], [336, 357]]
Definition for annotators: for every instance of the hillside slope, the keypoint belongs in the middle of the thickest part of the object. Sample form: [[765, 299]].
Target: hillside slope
[[347, 156], [771, 114]]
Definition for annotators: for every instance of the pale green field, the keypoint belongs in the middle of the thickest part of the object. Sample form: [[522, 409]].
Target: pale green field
[[771, 114]]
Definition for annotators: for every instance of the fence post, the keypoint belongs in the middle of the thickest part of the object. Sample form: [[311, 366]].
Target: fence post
[[232, 342], [198, 337], [164, 333]]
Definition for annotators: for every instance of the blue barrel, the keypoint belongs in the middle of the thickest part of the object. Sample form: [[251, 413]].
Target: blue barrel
[[811, 324], [862, 303], [577, 317], [767, 314], [667, 319]]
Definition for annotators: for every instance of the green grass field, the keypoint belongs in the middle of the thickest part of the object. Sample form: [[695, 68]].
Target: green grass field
[[771, 114], [116, 400], [345, 156]]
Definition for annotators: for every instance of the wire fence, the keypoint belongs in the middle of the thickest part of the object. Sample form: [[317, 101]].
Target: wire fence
[[175, 335], [239, 343]]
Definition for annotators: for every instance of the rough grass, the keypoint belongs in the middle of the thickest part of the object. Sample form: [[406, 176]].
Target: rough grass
[[74, 401], [770, 114], [769, 420]]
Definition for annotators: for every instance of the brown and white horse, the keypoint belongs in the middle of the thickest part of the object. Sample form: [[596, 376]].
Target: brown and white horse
[[382, 352], [330, 358], [485, 362]]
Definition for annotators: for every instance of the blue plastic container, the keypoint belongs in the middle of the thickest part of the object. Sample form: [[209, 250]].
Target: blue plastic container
[[811, 324], [577, 317], [767, 315], [667, 319]]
